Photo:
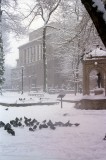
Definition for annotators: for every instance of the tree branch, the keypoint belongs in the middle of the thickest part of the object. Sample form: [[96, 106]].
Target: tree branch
[[53, 9], [97, 18]]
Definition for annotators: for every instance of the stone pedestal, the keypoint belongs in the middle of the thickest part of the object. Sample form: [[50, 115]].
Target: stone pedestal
[[91, 104], [98, 91]]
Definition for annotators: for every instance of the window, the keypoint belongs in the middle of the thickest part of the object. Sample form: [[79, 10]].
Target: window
[[24, 56], [28, 54], [36, 53], [39, 51], [31, 53]]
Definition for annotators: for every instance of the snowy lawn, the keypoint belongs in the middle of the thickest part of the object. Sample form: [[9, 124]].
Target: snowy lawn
[[10, 97], [84, 142]]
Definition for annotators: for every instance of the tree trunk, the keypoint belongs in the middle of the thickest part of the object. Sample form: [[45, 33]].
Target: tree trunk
[[44, 60], [97, 18]]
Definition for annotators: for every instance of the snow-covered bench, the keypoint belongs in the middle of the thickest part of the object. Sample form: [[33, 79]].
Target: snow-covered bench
[[36, 94]]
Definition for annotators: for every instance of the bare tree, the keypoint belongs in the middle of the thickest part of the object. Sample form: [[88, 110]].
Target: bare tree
[[76, 36], [44, 9]]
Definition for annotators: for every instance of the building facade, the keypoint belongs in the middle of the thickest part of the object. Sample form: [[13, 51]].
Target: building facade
[[29, 70]]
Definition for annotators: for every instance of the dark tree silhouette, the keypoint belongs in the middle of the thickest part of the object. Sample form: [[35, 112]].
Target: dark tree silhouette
[[97, 18]]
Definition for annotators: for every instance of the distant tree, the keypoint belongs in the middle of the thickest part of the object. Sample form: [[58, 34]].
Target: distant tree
[[10, 21], [1, 52], [44, 9], [76, 35]]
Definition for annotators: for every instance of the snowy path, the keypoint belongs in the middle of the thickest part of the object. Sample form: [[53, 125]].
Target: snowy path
[[84, 142]]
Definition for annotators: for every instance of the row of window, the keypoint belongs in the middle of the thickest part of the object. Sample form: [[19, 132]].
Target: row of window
[[31, 54]]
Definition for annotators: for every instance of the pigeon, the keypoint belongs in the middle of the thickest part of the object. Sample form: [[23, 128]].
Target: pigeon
[[52, 127], [44, 121], [76, 124], [65, 114], [2, 124], [16, 119], [50, 123], [40, 126], [104, 137], [12, 122], [11, 131], [19, 124], [35, 126], [70, 124], [37, 123], [43, 126], [7, 126], [66, 124], [58, 124], [20, 119], [31, 129]]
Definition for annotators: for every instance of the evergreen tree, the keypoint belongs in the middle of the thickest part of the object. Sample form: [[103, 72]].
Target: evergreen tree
[[1, 52], [10, 21]]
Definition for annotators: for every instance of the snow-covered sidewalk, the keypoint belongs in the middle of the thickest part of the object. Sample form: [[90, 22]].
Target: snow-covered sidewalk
[[84, 142]]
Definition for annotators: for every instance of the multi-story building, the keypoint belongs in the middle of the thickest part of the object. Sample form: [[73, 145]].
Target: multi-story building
[[29, 69]]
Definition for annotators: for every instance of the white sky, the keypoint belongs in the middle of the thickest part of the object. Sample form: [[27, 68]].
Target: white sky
[[10, 59]]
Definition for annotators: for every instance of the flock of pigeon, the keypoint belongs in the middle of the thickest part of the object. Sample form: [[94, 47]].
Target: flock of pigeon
[[33, 124]]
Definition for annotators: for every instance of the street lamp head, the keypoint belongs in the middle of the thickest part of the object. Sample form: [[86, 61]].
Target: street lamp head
[[22, 67], [96, 63]]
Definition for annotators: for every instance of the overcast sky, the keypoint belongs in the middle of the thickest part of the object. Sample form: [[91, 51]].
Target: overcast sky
[[10, 59]]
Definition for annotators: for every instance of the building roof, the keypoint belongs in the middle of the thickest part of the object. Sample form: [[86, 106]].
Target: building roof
[[36, 35], [98, 52]]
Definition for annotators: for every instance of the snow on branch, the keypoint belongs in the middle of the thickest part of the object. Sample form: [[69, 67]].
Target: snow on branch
[[100, 7]]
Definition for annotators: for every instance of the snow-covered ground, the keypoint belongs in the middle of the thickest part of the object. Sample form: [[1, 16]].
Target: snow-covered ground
[[84, 142], [10, 97]]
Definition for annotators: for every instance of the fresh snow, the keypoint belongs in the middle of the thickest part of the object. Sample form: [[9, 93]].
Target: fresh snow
[[102, 96], [98, 52], [84, 142], [100, 6], [15, 98]]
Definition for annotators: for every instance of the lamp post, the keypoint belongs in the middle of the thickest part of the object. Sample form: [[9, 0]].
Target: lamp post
[[29, 83], [22, 69], [76, 80]]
